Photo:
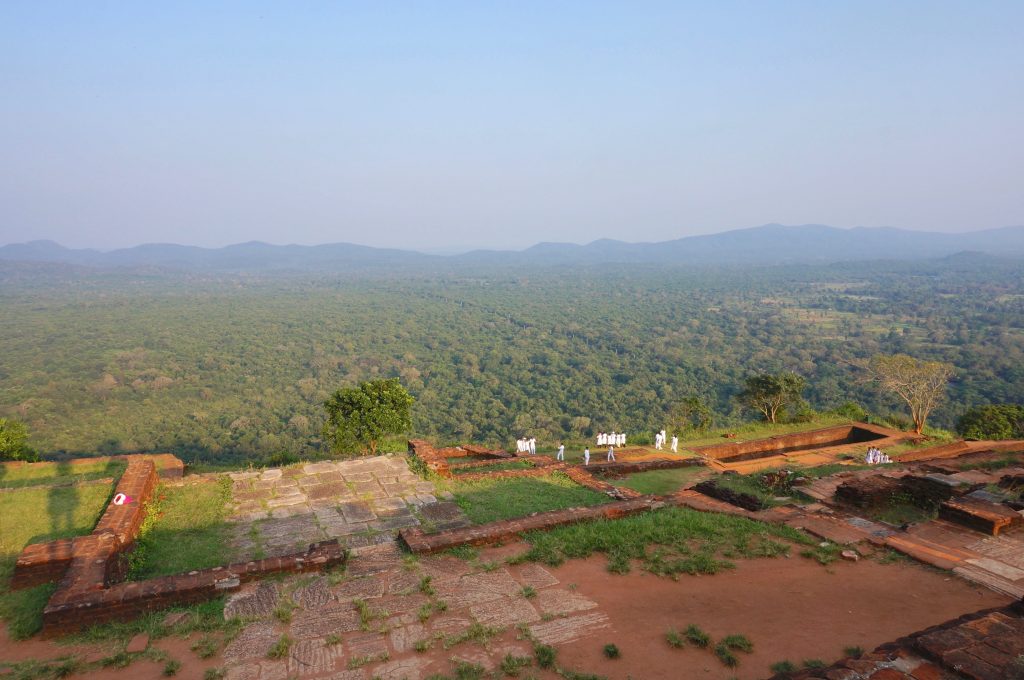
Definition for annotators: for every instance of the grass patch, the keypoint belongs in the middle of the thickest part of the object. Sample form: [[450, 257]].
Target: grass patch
[[855, 651], [489, 500], [814, 663], [37, 515], [611, 651], [687, 541], [661, 482], [205, 617], [545, 655], [477, 632], [496, 467], [184, 529], [58, 473], [784, 666], [674, 638], [696, 636], [511, 665], [825, 552], [281, 648]]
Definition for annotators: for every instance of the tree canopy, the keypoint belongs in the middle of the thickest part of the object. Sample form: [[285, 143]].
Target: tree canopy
[[360, 416], [14, 441], [993, 421], [770, 394], [921, 384]]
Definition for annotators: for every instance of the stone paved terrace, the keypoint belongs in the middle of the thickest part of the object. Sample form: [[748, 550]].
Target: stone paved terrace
[[401, 602], [360, 502]]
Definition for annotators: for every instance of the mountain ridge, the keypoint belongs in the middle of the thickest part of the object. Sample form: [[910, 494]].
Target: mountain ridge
[[766, 244]]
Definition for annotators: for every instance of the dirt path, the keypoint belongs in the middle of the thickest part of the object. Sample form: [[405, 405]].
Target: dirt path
[[789, 608]]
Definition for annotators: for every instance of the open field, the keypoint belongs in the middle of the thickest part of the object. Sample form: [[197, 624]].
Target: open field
[[487, 500]]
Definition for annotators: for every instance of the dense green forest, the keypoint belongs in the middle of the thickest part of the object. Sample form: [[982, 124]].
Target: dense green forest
[[220, 368]]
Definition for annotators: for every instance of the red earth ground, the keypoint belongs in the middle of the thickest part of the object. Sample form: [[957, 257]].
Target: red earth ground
[[791, 609]]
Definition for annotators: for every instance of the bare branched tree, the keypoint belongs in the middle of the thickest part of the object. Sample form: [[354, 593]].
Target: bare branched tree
[[920, 384]]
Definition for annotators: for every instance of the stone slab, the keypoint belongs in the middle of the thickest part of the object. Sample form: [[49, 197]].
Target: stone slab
[[259, 602], [558, 601], [253, 642], [505, 612], [357, 512], [358, 589], [560, 631], [312, 657], [330, 619], [537, 576]]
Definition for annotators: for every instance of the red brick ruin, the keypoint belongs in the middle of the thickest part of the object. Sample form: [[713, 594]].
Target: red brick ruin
[[90, 569]]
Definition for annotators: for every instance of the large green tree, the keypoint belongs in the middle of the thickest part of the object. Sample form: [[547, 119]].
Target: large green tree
[[14, 441], [993, 421], [920, 384], [770, 393], [358, 417]]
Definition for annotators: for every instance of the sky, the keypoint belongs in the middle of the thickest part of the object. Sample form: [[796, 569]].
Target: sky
[[444, 126]]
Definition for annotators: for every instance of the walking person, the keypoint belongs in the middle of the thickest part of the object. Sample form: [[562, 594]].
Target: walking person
[[611, 454], [675, 444], [561, 452], [586, 455]]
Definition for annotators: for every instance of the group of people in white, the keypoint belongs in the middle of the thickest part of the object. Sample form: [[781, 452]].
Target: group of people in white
[[527, 445], [875, 456], [659, 441], [611, 439]]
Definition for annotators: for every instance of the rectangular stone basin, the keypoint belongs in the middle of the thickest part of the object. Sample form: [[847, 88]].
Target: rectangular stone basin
[[813, 440]]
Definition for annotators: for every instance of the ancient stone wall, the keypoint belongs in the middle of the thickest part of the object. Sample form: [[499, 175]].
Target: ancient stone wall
[[82, 604]]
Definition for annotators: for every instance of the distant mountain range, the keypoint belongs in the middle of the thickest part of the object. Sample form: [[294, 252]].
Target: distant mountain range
[[768, 244]]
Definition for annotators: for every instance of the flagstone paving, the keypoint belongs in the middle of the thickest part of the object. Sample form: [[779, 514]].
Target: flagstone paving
[[366, 622], [360, 502]]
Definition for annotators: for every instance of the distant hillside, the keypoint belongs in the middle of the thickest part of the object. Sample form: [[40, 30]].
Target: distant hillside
[[768, 244]]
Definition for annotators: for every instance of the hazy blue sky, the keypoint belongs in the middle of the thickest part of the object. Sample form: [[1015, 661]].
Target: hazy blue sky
[[447, 125]]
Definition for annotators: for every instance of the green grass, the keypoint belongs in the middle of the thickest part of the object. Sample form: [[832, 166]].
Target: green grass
[[53, 474], [488, 500], [683, 541], [36, 515], [185, 529], [494, 467], [205, 617], [661, 482]]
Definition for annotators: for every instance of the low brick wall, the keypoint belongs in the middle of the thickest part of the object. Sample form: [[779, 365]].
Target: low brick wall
[[77, 607], [505, 530], [629, 467], [436, 460], [88, 558]]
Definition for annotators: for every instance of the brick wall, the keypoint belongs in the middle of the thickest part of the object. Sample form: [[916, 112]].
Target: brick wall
[[78, 604], [506, 530], [83, 557]]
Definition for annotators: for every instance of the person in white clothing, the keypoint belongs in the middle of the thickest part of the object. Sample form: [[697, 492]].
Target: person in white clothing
[[675, 444], [586, 455], [657, 440], [611, 454], [533, 446], [561, 452], [519, 446], [600, 438]]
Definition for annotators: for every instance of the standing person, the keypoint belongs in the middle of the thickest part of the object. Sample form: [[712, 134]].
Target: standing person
[[611, 454], [561, 452], [657, 440], [533, 446], [586, 455], [675, 444]]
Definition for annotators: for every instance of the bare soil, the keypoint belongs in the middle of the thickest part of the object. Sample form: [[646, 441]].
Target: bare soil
[[791, 608]]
